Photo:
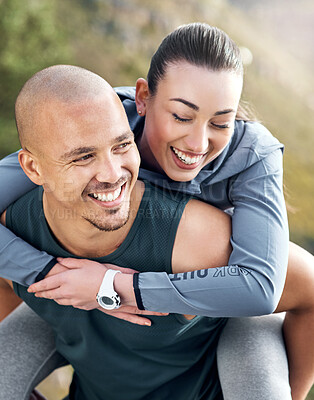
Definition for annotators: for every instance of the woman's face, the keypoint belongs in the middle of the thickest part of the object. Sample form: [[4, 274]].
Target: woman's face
[[189, 121]]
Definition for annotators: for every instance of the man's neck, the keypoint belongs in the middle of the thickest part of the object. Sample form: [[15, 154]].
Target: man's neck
[[79, 237]]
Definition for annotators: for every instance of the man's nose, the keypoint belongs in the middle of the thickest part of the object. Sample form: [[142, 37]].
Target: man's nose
[[108, 171]]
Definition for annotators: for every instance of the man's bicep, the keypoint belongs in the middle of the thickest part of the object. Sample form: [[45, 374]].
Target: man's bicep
[[203, 238]]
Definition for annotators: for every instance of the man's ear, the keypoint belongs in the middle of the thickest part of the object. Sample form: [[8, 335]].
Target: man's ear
[[30, 165], [141, 96]]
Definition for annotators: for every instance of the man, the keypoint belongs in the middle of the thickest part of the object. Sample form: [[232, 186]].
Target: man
[[78, 146]]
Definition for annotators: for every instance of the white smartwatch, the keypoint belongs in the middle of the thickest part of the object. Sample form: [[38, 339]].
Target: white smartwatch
[[107, 297]]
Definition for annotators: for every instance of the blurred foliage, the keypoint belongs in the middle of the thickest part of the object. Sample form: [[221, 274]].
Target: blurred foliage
[[31, 38]]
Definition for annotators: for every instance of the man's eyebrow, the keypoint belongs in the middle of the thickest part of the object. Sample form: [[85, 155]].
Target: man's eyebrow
[[84, 150], [124, 136], [227, 111], [187, 103], [77, 152]]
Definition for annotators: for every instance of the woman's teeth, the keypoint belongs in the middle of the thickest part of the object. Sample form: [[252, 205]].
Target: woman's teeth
[[107, 196], [185, 158]]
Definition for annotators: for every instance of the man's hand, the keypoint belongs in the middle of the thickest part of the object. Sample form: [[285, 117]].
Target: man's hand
[[75, 282]]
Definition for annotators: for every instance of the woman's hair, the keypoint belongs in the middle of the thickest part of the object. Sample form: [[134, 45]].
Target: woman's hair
[[201, 45]]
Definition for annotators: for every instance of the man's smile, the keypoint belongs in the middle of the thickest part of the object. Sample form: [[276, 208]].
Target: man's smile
[[109, 198]]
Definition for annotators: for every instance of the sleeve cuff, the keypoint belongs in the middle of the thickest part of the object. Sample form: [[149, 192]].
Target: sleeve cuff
[[45, 271], [137, 292]]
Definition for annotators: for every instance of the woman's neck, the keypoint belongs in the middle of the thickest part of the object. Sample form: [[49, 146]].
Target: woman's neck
[[148, 160]]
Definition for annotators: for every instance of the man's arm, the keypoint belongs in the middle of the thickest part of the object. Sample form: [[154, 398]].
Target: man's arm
[[202, 239]]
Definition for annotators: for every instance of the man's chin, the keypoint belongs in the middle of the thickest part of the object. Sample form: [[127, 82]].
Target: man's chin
[[109, 226]]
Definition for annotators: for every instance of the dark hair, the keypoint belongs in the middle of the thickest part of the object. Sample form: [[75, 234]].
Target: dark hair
[[201, 45]]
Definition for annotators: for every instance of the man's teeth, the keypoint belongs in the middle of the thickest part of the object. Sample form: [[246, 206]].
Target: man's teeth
[[185, 158], [107, 197]]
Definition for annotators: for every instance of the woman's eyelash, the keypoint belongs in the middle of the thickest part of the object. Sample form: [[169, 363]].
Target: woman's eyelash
[[224, 126], [177, 118]]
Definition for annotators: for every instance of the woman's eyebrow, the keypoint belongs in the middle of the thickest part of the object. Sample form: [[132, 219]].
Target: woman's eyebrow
[[227, 111], [187, 103], [196, 108]]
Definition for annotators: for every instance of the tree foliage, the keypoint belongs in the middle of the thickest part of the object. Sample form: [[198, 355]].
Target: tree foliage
[[30, 39]]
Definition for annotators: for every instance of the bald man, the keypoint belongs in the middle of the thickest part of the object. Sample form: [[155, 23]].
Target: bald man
[[78, 146]]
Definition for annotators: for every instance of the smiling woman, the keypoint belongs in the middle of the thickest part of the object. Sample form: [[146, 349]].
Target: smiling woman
[[187, 125]]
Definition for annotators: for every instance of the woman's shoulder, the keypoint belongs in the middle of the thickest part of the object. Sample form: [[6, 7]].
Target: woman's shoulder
[[125, 92], [127, 96], [251, 145], [254, 137]]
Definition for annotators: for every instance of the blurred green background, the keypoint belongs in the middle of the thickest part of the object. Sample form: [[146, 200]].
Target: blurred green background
[[116, 38]]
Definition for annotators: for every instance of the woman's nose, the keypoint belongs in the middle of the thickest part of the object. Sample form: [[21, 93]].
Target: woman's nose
[[197, 140]]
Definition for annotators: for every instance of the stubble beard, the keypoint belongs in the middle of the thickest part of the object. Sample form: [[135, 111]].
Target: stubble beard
[[104, 226], [99, 221]]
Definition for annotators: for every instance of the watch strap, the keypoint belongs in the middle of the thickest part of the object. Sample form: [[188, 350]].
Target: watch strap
[[107, 297], [107, 282]]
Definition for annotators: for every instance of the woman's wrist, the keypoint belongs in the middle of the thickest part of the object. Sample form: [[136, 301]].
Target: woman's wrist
[[123, 285]]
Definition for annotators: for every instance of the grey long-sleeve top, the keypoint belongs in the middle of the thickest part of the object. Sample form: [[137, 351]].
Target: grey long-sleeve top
[[246, 177]]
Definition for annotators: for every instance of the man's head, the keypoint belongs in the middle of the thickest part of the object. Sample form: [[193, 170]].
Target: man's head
[[77, 143]]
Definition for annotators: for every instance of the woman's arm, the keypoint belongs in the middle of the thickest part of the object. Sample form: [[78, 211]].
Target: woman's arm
[[14, 182], [251, 284], [253, 281], [18, 260]]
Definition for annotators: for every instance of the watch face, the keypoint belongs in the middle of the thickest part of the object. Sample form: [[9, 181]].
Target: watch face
[[107, 301]]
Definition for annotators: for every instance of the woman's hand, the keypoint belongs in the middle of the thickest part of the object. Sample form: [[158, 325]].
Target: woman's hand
[[75, 282]]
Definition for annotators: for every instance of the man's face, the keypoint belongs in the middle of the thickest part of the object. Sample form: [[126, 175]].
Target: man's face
[[89, 162]]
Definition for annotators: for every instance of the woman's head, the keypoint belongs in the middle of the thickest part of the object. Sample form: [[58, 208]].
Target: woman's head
[[190, 100], [198, 44]]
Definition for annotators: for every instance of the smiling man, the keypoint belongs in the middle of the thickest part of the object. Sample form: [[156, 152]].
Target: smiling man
[[88, 172], [78, 146]]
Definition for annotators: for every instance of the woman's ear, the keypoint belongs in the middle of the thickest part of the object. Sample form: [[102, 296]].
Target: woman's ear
[[30, 165], [141, 96]]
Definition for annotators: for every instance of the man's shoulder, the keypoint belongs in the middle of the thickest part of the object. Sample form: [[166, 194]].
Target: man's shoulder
[[202, 237], [27, 208], [32, 198], [164, 197]]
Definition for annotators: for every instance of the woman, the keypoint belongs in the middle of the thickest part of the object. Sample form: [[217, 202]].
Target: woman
[[194, 139]]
